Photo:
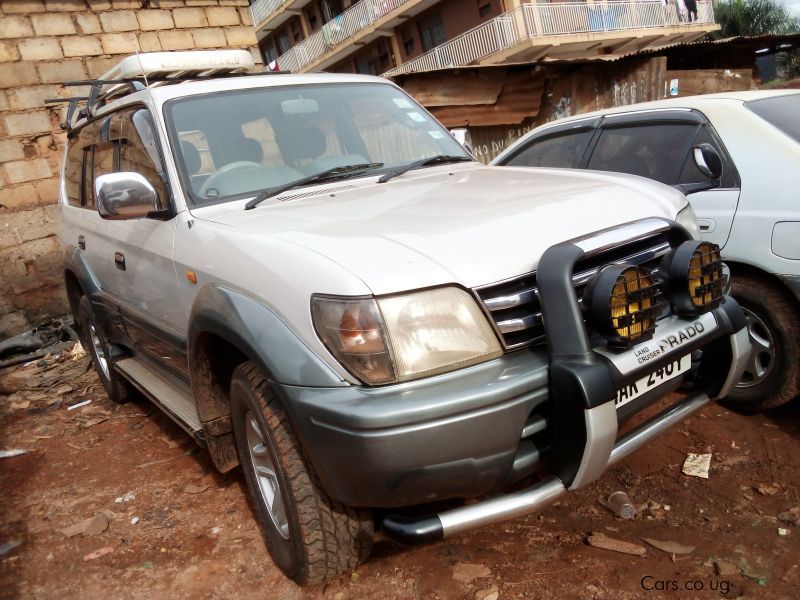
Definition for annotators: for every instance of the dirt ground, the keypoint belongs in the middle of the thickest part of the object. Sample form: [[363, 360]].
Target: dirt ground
[[195, 535]]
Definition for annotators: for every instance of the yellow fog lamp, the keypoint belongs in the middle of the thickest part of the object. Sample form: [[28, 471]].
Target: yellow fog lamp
[[695, 277], [622, 304]]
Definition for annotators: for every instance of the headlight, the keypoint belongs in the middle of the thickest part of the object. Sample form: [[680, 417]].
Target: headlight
[[622, 304], [405, 337], [695, 277], [688, 219]]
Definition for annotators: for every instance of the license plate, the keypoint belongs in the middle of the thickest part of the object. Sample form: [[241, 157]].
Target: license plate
[[648, 382]]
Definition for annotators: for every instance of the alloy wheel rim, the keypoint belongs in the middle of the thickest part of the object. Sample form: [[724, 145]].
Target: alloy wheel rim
[[99, 351], [762, 356], [266, 477]]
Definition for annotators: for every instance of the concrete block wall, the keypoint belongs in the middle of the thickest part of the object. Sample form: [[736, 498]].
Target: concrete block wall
[[46, 42]]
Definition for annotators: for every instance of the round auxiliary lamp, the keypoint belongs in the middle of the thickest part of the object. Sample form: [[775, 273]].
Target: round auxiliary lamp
[[693, 277], [622, 304]]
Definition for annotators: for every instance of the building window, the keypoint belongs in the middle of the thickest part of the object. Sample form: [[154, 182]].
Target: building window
[[408, 42], [484, 8], [283, 41], [431, 31], [312, 18], [297, 36]]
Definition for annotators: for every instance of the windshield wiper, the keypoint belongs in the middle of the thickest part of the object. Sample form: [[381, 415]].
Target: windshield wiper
[[321, 176], [424, 162]]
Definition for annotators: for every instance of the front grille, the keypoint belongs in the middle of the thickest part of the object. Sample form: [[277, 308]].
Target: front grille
[[514, 307]]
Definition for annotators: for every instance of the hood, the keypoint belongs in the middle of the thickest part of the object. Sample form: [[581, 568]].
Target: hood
[[464, 224]]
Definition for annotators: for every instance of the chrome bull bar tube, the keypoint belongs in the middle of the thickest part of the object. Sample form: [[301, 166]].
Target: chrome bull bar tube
[[543, 493]]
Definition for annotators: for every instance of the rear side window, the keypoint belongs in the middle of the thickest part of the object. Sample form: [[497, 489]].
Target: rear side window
[[654, 151], [782, 111], [563, 150], [73, 172]]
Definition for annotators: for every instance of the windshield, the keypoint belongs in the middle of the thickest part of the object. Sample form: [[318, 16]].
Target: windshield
[[780, 111], [232, 144]]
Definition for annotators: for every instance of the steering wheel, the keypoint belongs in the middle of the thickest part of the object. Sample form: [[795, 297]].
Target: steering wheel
[[215, 178]]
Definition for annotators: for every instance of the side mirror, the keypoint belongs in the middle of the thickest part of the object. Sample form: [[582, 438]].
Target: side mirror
[[461, 134], [708, 160], [125, 195]]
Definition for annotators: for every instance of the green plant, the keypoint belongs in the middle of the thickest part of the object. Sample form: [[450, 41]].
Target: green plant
[[753, 17]]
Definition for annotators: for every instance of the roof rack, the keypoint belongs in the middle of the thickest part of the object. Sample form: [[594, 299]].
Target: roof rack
[[152, 69]]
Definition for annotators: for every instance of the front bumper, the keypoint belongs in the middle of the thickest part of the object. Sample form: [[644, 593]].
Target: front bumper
[[458, 434]]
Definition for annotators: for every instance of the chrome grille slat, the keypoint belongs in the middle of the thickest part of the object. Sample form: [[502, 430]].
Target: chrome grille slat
[[513, 304], [511, 300], [526, 322]]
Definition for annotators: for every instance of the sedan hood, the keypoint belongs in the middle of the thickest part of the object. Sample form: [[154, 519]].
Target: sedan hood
[[464, 224]]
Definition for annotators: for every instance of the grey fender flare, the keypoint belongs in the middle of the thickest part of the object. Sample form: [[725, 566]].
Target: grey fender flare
[[260, 335]]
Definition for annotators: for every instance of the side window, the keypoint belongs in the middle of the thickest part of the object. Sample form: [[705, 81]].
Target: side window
[[563, 150], [132, 130], [691, 174], [656, 151], [73, 171], [99, 160]]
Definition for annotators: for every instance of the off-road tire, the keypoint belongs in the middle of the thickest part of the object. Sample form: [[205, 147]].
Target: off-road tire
[[779, 313], [116, 386], [326, 538]]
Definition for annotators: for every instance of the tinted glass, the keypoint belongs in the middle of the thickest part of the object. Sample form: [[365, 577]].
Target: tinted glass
[[558, 151], [238, 142], [73, 171], [782, 111], [654, 151], [132, 131], [691, 174]]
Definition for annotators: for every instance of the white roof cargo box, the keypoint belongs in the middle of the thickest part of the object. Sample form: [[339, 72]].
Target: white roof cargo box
[[181, 64]]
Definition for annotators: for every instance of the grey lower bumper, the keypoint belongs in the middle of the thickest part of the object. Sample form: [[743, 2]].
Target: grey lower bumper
[[517, 504]]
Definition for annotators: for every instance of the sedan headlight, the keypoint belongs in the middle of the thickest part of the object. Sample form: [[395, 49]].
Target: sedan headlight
[[688, 219], [405, 337]]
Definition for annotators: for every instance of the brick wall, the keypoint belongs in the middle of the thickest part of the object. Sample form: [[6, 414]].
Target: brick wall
[[45, 42]]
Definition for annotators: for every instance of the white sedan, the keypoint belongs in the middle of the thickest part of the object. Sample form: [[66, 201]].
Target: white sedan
[[752, 210]]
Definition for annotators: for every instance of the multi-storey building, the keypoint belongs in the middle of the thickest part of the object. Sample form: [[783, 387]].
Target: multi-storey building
[[397, 36]]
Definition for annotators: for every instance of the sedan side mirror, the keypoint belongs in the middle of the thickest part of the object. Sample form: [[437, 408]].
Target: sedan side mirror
[[125, 195], [707, 160], [709, 163]]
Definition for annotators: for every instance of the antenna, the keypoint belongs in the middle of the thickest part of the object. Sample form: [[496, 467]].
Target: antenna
[[139, 58]]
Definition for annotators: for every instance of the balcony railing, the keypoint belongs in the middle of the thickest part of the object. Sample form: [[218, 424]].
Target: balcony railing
[[530, 21], [261, 9], [350, 22]]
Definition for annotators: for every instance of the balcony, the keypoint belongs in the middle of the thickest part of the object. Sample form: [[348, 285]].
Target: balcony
[[355, 27], [566, 30], [269, 14]]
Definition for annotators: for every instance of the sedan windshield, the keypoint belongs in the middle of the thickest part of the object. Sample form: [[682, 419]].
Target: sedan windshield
[[236, 144]]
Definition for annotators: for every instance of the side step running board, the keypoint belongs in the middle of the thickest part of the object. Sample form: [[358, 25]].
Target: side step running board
[[418, 530], [170, 395]]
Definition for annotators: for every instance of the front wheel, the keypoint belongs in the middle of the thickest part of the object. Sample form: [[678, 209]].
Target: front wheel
[[772, 376], [310, 537]]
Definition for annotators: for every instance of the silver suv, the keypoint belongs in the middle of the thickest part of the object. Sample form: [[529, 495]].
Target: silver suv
[[317, 282]]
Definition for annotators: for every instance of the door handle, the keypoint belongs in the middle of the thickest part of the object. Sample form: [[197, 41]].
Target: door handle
[[119, 260], [706, 225], [81, 242]]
